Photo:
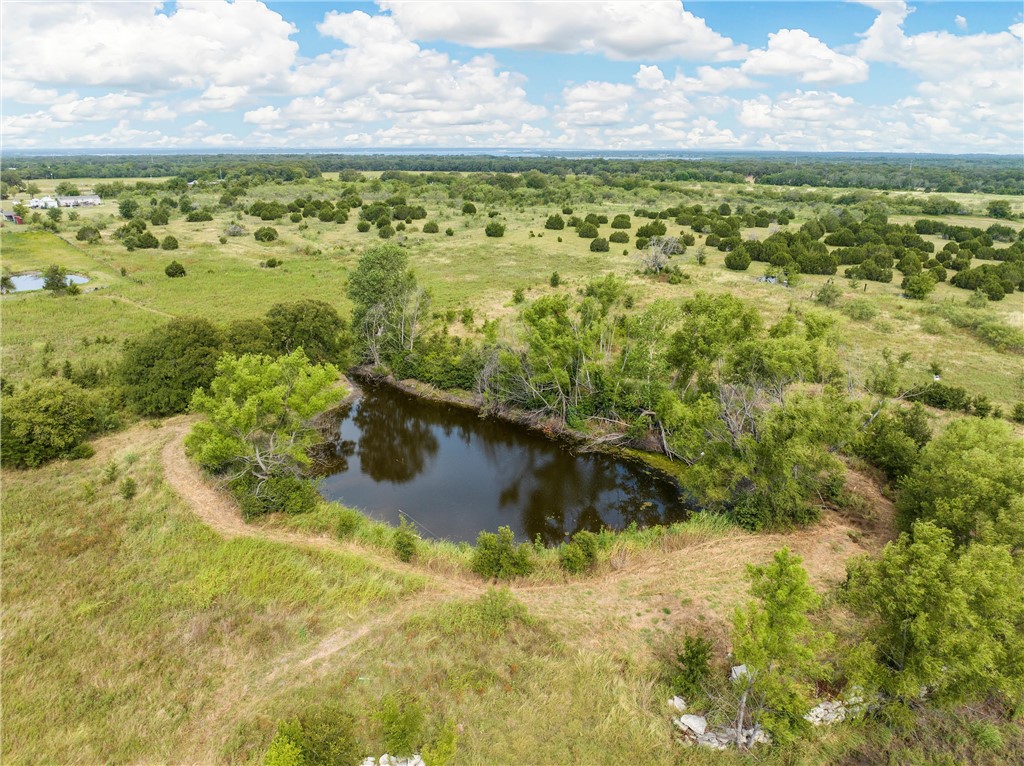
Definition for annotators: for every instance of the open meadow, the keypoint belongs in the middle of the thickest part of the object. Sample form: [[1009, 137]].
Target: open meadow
[[146, 622]]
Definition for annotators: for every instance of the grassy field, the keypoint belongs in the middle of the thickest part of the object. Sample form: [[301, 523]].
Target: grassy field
[[225, 281], [135, 632]]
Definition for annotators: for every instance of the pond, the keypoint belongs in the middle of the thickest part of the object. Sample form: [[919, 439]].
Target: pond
[[25, 282], [456, 474]]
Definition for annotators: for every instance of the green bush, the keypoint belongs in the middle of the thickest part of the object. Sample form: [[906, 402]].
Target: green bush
[[403, 543], [431, 227], [587, 231], [169, 243], [363, 226], [44, 420], [494, 229], [555, 222], [497, 555], [555, 280], [737, 260], [265, 234], [861, 310], [278, 494], [692, 668], [619, 237], [324, 736], [174, 270], [283, 752], [599, 245], [401, 718], [127, 488], [468, 208], [449, 232], [159, 371], [580, 554], [518, 295], [441, 751]]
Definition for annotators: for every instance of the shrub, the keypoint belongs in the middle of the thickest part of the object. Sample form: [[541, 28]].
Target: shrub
[[324, 735], [159, 371], [363, 226], [494, 229], [861, 310], [283, 752], [279, 494], [234, 230], [295, 217], [692, 667], [199, 216], [599, 245], [449, 232], [441, 751], [88, 234], [404, 541], [580, 554], [567, 211], [174, 270], [828, 294], [169, 243], [587, 230], [497, 555], [386, 231], [619, 237], [44, 420], [1017, 416], [555, 280], [621, 221], [265, 234], [127, 488], [468, 208], [401, 718], [555, 222], [431, 227], [518, 295], [737, 260]]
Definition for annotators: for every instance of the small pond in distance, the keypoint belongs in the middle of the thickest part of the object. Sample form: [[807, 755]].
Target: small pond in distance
[[456, 474], [23, 283]]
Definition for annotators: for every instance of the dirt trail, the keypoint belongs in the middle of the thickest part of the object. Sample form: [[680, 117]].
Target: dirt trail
[[220, 512]]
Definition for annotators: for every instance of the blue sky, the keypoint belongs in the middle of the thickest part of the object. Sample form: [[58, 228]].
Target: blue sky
[[864, 75]]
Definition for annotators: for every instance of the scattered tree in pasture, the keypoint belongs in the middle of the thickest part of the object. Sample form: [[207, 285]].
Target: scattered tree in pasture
[[44, 420], [310, 325], [174, 269]]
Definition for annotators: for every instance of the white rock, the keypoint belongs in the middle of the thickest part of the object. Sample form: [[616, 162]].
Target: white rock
[[737, 672], [369, 761], [678, 703], [761, 736], [711, 740], [698, 724]]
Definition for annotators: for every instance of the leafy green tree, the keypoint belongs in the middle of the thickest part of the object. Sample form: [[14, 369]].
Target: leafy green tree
[[55, 279], [775, 641], [969, 481], [45, 420], [389, 308], [6, 281], [159, 371], [127, 207], [710, 325], [249, 336], [310, 325], [943, 620], [67, 189], [259, 412], [1000, 208], [919, 286]]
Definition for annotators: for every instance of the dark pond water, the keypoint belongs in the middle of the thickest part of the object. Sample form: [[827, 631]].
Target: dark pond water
[[456, 474], [26, 282]]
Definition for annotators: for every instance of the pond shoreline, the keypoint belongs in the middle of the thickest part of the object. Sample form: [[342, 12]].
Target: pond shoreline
[[551, 427]]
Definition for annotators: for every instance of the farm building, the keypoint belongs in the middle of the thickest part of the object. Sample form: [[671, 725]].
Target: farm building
[[83, 200], [42, 202], [12, 217]]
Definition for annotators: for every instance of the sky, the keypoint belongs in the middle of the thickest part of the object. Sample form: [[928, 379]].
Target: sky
[[861, 75]]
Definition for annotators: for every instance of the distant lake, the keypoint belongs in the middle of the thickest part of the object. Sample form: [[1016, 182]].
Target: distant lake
[[23, 283], [455, 474]]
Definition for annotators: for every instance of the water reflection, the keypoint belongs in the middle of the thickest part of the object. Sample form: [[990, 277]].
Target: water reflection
[[455, 474]]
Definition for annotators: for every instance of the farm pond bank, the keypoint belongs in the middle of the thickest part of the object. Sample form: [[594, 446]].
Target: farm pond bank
[[454, 474]]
